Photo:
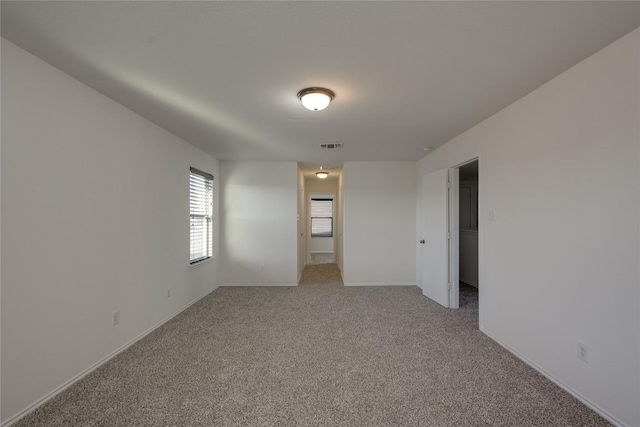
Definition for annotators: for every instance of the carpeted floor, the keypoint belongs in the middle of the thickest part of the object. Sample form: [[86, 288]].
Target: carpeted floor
[[467, 294], [319, 354], [317, 258]]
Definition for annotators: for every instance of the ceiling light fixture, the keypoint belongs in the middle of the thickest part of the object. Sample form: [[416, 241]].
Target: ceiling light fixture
[[322, 174], [316, 98]]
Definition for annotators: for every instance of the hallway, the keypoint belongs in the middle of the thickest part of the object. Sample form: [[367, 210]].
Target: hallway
[[323, 275]]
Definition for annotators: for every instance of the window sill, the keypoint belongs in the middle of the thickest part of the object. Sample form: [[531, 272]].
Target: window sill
[[199, 263]]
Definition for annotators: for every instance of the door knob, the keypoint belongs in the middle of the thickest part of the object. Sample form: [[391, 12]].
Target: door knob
[[422, 241]]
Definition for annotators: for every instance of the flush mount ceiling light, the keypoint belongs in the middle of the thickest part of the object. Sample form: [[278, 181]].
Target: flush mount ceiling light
[[315, 98], [322, 174]]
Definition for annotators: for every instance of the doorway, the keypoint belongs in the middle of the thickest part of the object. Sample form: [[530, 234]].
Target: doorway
[[468, 234], [450, 235], [321, 228]]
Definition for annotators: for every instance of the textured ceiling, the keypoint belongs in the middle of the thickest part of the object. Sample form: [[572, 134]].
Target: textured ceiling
[[224, 75]]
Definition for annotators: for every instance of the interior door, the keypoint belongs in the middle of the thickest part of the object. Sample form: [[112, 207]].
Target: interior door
[[435, 249]]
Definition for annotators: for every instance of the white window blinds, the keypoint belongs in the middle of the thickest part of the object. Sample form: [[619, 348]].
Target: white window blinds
[[201, 215], [321, 218]]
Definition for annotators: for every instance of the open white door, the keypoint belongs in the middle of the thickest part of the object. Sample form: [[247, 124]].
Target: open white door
[[454, 237], [435, 249]]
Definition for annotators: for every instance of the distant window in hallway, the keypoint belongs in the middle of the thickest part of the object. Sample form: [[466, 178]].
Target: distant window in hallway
[[321, 218]]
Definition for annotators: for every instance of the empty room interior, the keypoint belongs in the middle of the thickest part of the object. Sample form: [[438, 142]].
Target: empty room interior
[[320, 213]]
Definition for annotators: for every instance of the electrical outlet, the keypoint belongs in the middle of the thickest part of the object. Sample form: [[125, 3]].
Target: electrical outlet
[[116, 317], [492, 215], [168, 292], [583, 352], [262, 268]]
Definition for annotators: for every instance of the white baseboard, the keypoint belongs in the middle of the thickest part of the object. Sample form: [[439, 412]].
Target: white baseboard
[[603, 413], [96, 365], [381, 284], [231, 285], [321, 252]]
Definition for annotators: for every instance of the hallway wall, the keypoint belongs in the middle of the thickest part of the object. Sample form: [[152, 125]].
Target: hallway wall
[[259, 223], [302, 224], [379, 223]]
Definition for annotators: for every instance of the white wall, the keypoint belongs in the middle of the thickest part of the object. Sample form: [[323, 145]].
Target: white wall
[[315, 185], [259, 223], [321, 245], [560, 264], [339, 248], [95, 217], [302, 233], [379, 223]]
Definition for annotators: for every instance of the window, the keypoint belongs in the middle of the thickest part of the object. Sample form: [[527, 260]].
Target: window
[[200, 215], [321, 218]]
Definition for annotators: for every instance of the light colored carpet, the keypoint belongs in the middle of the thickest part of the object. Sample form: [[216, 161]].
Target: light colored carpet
[[467, 294], [322, 259], [319, 354]]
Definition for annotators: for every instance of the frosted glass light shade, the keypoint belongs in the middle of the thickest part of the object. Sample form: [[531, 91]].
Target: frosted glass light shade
[[322, 174], [315, 101], [315, 98]]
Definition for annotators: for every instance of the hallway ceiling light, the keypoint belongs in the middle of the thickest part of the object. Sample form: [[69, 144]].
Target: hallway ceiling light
[[322, 174], [316, 98]]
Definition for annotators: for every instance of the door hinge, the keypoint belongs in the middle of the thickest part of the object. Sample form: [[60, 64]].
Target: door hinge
[[448, 184], [448, 235], [449, 285]]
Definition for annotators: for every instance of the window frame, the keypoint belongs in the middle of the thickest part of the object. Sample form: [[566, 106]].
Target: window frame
[[207, 216], [321, 199]]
